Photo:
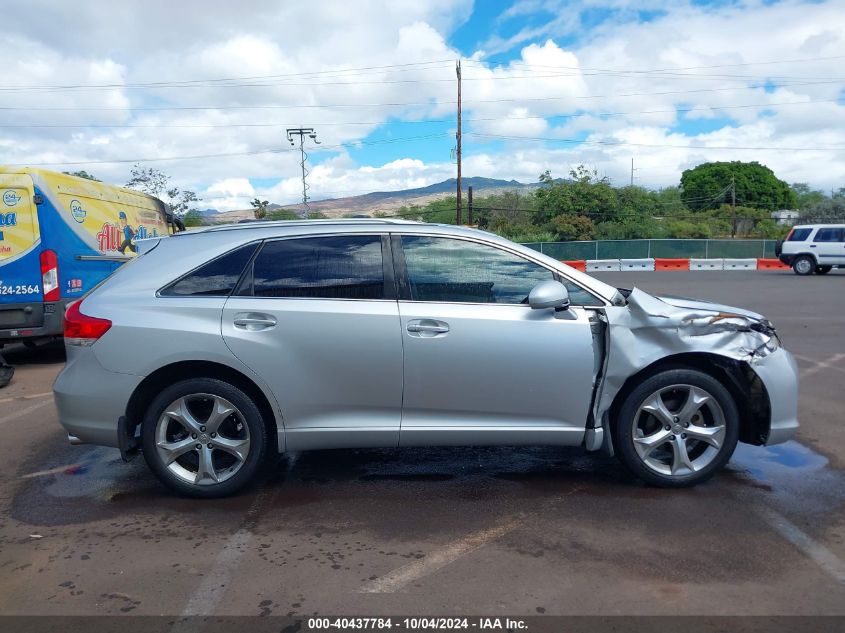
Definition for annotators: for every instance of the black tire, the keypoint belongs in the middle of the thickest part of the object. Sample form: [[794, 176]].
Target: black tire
[[250, 417], [823, 270], [804, 265], [624, 429]]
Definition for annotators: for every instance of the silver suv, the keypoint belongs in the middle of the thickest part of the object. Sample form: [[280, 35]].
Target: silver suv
[[813, 248], [216, 348]]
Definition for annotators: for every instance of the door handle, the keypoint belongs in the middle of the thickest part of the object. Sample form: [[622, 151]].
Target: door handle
[[427, 327], [253, 322]]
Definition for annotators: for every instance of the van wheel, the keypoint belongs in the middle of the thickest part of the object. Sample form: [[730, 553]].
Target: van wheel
[[804, 265], [823, 270], [677, 428], [203, 438]]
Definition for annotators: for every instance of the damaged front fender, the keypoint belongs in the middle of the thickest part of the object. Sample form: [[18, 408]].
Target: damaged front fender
[[649, 329]]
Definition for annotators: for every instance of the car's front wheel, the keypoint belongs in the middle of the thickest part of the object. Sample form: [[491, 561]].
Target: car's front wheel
[[677, 428], [203, 438]]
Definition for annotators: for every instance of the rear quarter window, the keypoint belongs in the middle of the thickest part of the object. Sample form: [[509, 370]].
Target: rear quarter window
[[799, 235], [216, 278]]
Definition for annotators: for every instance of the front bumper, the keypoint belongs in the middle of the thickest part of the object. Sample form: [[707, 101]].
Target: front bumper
[[779, 374], [90, 399]]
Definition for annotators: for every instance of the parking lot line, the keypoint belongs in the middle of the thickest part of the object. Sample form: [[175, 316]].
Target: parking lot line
[[822, 556], [402, 576], [31, 396], [22, 412], [819, 365]]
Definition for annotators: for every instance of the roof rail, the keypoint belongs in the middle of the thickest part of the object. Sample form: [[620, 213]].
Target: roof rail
[[261, 224]]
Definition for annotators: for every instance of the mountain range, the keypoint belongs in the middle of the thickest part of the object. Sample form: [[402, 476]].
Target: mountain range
[[381, 201]]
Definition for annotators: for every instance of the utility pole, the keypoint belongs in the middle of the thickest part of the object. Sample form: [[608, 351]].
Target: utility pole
[[469, 205], [458, 137], [302, 132], [733, 205], [632, 171]]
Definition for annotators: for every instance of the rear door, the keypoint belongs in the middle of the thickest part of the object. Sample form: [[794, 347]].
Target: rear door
[[20, 272], [316, 317], [829, 246]]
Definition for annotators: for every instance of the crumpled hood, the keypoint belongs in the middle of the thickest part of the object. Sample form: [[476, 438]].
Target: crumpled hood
[[703, 304]]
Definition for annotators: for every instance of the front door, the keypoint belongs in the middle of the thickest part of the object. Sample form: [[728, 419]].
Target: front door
[[480, 365], [317, 318]]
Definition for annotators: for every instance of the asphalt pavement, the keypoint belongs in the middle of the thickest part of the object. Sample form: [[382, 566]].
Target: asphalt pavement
[[439, 531]]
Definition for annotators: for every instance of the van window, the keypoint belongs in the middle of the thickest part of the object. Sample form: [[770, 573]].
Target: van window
[[217, 278], [799, 235], [828, 235], [331, 267]]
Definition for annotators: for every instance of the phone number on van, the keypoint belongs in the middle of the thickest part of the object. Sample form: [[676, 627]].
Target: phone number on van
[[21, 289]]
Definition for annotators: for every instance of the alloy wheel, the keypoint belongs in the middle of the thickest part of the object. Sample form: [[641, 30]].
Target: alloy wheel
[[202, 439], [678, 430]]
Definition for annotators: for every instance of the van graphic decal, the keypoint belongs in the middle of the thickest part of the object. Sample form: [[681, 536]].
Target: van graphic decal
[[77, 211], [10, 198]]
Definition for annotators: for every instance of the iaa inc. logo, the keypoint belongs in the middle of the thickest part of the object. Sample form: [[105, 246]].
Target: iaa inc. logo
[[10, 198]]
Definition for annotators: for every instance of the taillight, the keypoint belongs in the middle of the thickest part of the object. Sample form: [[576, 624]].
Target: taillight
[[81, 329], [789, 235], [50, 275]]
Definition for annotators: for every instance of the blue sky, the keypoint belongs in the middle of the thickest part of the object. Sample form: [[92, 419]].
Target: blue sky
[[548, 84]]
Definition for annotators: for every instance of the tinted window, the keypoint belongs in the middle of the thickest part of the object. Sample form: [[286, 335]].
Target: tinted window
[[828, 235], [216, 278], [799, 235], [449, 270], [343, 267]]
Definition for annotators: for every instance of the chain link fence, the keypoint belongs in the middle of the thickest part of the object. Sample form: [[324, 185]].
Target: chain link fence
[[639, 249]]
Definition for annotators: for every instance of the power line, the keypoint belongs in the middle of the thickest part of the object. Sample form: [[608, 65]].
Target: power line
[[422, 121], [627, 144]]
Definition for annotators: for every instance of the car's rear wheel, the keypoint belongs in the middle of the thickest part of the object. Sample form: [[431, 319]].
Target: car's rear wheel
[[804, 265], [203, 438], [677, 428], [823, 270]]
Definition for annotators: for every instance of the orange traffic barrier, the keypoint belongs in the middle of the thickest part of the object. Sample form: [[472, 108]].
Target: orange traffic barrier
[[665, 263], [580, 264], [771, 264]]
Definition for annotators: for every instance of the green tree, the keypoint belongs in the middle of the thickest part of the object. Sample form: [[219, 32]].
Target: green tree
[[805, 197], [154, 182], [259, 208], [573, 227], [709, 185], [82, 174], [193, 218], [283, 214], [585, 194], [831, 210]]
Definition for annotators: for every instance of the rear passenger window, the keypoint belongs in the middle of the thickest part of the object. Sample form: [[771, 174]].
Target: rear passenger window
[[217, 278], [828, 235], [339, 267], [799, 235]]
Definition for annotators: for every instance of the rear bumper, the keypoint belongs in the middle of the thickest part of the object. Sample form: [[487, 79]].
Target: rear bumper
[[31, 320], [786, 259], [90, 399], [779, 374]]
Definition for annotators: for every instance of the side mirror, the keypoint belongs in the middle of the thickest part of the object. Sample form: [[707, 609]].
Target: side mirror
[[549, 294]]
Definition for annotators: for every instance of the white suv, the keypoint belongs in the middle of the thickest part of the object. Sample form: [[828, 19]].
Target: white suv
[[813, 248]]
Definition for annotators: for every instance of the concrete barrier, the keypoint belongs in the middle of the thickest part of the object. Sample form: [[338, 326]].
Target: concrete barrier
[[594, 265], [706, 264], [771, 264], [636, 264], [579, 264], [668, 263], [740, 264]]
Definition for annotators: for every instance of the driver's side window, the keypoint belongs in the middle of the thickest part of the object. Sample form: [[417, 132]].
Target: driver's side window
[[442, 269]]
